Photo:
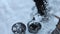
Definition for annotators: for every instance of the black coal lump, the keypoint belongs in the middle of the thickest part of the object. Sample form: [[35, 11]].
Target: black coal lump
[[18, 27]]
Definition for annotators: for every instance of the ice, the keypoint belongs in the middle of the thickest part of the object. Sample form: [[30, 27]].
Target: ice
[[12, 11]]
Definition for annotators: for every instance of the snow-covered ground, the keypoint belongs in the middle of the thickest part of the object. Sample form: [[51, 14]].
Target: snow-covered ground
[[12, 11]]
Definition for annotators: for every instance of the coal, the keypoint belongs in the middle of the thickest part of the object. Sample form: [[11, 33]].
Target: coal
[[34, 27], [19, 28]]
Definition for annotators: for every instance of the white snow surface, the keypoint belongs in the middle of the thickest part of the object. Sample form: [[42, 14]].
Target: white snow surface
[[12, 11]]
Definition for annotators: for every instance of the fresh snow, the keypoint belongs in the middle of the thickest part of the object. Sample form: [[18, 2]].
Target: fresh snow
[[12, 11]]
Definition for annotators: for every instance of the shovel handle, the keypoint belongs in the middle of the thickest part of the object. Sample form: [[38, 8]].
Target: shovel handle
[[56, 16]]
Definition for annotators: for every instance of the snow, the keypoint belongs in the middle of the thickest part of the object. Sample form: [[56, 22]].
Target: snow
[[12, 11]]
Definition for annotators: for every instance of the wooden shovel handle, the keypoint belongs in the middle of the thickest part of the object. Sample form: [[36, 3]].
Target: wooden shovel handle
[[56, 16]]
